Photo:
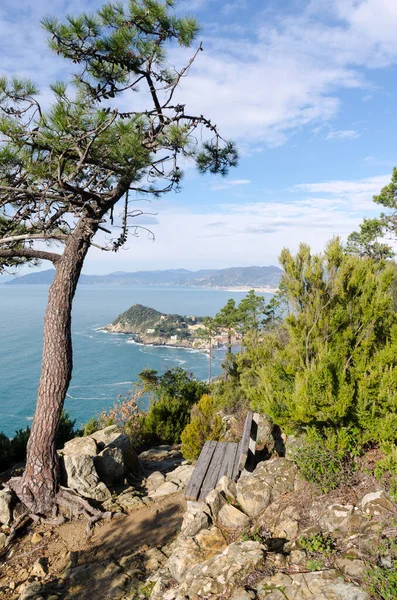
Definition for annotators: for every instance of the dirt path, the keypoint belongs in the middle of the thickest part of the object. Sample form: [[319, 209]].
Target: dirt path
[[82, 565]]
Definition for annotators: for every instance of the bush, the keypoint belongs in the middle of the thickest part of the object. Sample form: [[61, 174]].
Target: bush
[[13, 451], [380, 575], [205, 425], [325, 460]]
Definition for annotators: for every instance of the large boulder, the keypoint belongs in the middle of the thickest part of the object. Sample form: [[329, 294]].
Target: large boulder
[[5, 507], [80, 445], [110, 464], [82, 477], [113, 437], [219, 574]]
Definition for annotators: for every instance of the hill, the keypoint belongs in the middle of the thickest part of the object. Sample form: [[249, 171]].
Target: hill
[[259, 278], [149, 326]]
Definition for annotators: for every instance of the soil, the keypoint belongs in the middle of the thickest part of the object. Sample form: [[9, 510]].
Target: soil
[[70, 545]]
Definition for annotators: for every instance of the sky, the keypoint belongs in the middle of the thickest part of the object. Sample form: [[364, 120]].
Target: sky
[[306, 88]]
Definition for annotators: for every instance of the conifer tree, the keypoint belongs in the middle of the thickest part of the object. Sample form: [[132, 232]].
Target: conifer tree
[[65, 173]]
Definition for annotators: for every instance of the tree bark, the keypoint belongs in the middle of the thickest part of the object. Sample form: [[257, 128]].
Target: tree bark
[[40, 482]]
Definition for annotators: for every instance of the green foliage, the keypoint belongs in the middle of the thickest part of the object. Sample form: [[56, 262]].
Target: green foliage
[[205, 424], [91, 426], [13, 450], [333, 363], [254, 535], [315, 564], [324, 459], [173, 395], [318, 543], [380, 575]]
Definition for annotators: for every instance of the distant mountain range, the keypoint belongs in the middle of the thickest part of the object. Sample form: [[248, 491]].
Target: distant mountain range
[[234, 277]]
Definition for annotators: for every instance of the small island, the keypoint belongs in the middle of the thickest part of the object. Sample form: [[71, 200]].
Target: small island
[[152, 327]]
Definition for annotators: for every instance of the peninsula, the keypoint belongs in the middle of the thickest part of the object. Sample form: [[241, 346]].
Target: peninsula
[[149, 326]]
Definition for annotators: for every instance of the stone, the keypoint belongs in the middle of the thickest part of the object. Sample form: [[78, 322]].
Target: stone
[[130, 501], [167, 488], [109, 465], [232, 518], [36, 538], [159, 453], [80, 445], [186, 554], [219, 574], [318, 585], [82, 477], [297, 557], [353, 568], [113, 437], [192, 524], [215, 501], [5, 507], [181, 475], [40, 567], [153, 559], [227, 487], [193, 507], [3, 540], [337, 517], [155, 480], [253, 495], [211, 542], [376, 503], [241, 594], [30, 590]]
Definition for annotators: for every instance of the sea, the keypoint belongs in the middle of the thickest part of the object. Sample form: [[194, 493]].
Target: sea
[[106, 365]]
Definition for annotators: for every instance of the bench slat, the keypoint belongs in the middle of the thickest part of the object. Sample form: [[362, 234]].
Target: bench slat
[[200, 470], [245, 441], [212, 476]]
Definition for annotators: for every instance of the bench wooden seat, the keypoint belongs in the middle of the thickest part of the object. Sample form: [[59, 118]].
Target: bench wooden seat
[[223, 458]]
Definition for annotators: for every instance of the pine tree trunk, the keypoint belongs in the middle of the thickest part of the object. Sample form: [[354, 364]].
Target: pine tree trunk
[[40, 481]]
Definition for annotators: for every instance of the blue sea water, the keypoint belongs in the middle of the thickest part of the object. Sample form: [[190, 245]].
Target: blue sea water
[[105, 365]]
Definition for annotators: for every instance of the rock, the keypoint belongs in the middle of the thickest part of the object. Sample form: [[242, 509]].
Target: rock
[[232, 518], [5, 507], [211, 542], [3, 540], [288, 524], [36, 538], [192, 524], [215, 501], [153, 559], [186, 554], [109, 465], [253, 495], [227, 487], [353, 568], [82, 477], [241, 594], [80, 445], [337, 518], [376, 503], [130, 501], [291, 444], [181, 475], [219, 574], [193, 507], [269, 436], [113, 437], [319, 585], [167, 488], [30, 590], [40, 567], [160, 452], [154, 480]]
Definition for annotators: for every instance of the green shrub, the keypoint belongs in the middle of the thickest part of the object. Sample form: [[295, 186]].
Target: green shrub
[[318, 543], [380, 575], [205, 424], [13, 451], [91, 426], [324, 459]]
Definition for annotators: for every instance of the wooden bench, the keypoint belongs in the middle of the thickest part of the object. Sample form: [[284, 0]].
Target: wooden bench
[[223, 458]]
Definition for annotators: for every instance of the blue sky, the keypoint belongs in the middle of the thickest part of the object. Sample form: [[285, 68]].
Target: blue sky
[[308, 91]]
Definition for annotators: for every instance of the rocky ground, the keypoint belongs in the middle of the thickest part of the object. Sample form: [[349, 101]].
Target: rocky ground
[[270, 536]]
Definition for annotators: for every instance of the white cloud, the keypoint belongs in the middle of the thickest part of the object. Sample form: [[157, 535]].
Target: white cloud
[[229, 183], [342, 134]]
